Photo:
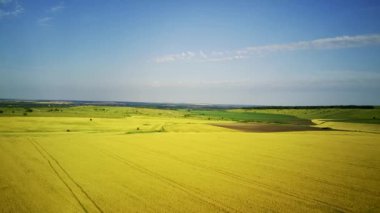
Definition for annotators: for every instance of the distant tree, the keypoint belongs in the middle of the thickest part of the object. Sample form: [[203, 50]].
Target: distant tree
[[28, 110], [25, 114], [374, 117], [90, 119], [138, 128], [67, 130], [1, 111]]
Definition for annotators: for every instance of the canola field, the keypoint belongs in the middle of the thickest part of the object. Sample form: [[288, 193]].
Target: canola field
[[122, 159]]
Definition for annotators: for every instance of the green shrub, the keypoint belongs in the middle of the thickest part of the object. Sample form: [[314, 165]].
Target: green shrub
[[28, 110]]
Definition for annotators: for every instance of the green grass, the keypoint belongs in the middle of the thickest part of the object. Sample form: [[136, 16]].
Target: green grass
[[86, 111], [248, 116], [123, 112], [342, 115], [283, 116]]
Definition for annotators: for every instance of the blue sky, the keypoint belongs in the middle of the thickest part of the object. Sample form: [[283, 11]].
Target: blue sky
[[227, 52]]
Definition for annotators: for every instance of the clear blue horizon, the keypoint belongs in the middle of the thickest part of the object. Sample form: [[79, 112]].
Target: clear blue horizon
[[217, 52]]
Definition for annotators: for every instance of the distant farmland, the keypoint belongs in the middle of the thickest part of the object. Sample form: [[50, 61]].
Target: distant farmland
[[65, 158]]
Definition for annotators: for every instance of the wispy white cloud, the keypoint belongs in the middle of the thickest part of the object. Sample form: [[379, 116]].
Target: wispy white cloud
[[5, 1], [323, 43], [45, 21], [10, 8], [300, 82], [175, 57], [57, 8], [199, 84], [50, 14]]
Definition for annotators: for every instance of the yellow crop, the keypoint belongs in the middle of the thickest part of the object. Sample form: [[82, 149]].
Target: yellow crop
[[168, 164]]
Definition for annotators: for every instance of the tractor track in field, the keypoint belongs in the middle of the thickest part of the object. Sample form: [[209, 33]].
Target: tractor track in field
[[376, 194], [46, 156], [60, 177], [72, 179], [138, 199], [192, 192], [324, 181], [251, 182]]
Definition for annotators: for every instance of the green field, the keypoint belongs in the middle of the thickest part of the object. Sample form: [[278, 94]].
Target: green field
[[129, 159], [343, 115]]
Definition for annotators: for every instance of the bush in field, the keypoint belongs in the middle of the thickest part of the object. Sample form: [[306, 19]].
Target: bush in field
[[1, 111], [28, 110], [25, 114]]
